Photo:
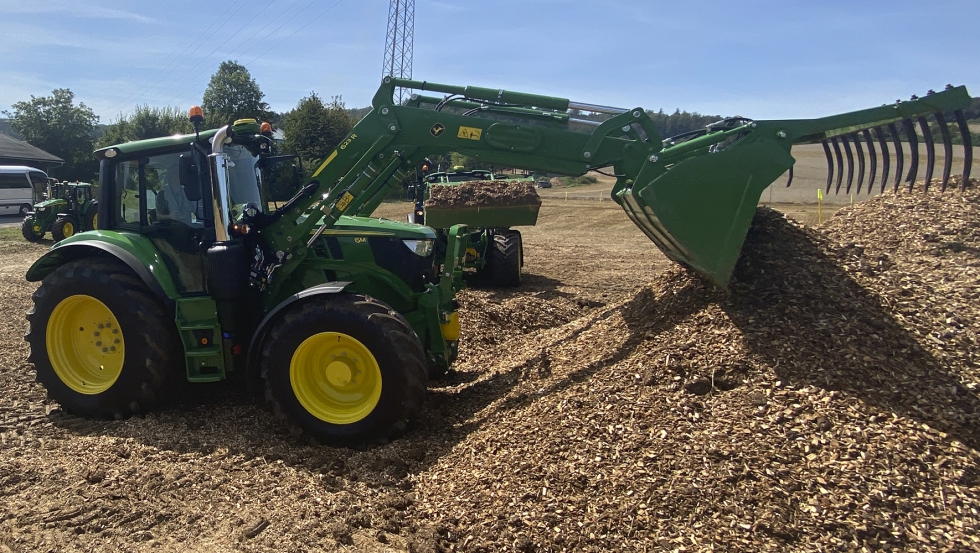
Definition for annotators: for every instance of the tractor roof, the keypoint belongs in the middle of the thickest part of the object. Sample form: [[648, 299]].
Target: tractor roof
[[152, 143]]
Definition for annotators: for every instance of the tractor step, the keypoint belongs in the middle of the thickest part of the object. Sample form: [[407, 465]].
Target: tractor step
[[200, 333]]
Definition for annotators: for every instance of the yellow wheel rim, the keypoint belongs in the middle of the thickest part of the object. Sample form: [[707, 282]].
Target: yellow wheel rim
[[335, 378], [68, 229], [95, 221], [85, 344]]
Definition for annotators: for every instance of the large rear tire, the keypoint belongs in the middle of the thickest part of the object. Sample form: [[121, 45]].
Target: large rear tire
[[29, 232], [507, 258], [64, 226], [344, 369], [101, 343]]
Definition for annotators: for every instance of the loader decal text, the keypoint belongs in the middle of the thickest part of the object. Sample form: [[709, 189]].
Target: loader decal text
[[471, 133], [345, 201]]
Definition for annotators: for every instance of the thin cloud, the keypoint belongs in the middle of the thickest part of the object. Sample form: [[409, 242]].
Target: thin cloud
[[74, 9]]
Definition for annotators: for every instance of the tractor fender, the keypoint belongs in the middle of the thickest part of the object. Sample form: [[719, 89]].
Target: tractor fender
[[252, 370], [137, 254]]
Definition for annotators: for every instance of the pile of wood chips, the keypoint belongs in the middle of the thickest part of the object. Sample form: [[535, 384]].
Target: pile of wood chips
[[829, 402], [489, 193]]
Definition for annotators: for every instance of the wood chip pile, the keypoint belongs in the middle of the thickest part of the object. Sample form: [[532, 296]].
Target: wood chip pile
[[490, 193], [829, 402]]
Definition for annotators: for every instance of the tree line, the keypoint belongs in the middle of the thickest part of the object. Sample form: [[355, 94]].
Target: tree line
[[312, 129]]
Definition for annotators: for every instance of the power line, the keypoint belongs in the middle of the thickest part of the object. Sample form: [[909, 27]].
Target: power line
[[216, 48], [158, 78], [191, 85], [308, 23]]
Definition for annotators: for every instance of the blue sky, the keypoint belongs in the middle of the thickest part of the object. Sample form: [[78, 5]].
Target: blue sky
[[761, 59]]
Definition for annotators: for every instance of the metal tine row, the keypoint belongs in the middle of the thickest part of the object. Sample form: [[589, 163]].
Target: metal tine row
[[854, 144]]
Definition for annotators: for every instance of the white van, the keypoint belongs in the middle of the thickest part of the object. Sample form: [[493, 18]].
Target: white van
[[20, 188]]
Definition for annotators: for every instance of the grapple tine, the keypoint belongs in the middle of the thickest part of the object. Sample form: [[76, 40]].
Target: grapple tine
[[913, 139], [884, 157], [860, 155], [840, 164], [830, 164], [789, 181], [947, 149], [873, 158], [967, 147], [850, 162], [899, 153], [930, 149]]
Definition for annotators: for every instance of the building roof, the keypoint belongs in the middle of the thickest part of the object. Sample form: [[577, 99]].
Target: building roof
[[13, 149]]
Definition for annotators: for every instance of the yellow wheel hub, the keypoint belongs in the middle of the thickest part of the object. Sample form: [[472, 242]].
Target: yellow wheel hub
[[95, 221], [85, 344], [335, 378], [68, 229]]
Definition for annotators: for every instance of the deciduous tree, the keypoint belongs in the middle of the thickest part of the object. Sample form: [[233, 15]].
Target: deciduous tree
[[233, 94], [58, 126]]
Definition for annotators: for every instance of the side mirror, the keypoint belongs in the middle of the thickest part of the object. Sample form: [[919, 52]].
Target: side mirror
[[189, 178]]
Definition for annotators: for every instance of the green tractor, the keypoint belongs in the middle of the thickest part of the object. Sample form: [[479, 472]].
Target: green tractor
[[496, 251], [66, 209], [341, 318]]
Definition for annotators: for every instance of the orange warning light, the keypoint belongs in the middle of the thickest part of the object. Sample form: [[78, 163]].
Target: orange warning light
[[196, 114]]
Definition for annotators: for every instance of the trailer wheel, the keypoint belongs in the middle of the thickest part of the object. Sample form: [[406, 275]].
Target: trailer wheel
[[507, 258], [344, 369], [31, 230], [101, 343], [64, 226]]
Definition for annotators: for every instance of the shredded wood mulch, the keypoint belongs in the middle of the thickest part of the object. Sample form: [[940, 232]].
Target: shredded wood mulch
[[490, 193], [828, 402]]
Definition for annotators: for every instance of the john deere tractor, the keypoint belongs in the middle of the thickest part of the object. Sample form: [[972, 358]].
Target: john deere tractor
[[340, 318], [67, 208]]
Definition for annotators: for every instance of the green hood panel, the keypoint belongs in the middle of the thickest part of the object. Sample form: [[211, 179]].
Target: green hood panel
[[55, 203], [363, 226], [132, 249]]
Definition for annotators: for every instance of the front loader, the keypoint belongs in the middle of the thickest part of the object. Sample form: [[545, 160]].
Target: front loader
[[339, 317]]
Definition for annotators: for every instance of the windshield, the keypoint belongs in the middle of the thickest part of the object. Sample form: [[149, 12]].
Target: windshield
[[243, 172]]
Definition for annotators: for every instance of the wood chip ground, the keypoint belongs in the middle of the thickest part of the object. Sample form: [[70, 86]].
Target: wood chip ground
[[828, 402]]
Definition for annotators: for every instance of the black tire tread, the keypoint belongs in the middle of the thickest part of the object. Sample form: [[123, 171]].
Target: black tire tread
[[27, 229], [58, 228], [506, 258]]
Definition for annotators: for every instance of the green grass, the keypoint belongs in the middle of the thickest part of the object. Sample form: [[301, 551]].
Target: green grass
[[7, 234]]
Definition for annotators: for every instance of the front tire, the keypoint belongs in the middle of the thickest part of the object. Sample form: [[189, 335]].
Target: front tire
[[92, 218], [64, 227], [29, 232], [102, 345], [344, 369]]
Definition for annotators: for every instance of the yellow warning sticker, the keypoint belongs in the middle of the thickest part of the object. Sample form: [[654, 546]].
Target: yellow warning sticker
[[471, 133], [345, 201]]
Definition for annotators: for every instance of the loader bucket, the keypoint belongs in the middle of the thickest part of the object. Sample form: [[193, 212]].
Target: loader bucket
[[699, 209], [696, 198]]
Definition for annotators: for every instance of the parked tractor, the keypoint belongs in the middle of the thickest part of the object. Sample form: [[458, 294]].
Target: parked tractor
[[495, 251], [67, 208], [341, 318]]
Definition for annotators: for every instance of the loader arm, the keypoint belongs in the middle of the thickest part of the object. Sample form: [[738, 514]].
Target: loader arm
[[693, 195]]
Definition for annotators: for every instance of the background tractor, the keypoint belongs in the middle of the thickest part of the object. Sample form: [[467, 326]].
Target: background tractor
[[67, 208], [496, 251], [342, 318]]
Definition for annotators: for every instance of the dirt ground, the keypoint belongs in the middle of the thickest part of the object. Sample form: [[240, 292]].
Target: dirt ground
[[611, 403]]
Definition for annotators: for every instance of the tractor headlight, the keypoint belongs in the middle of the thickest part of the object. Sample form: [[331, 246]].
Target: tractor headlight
[[420, 248]]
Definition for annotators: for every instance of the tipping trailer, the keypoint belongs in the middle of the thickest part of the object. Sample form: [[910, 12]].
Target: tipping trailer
[[496, 250], [339, 317]]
